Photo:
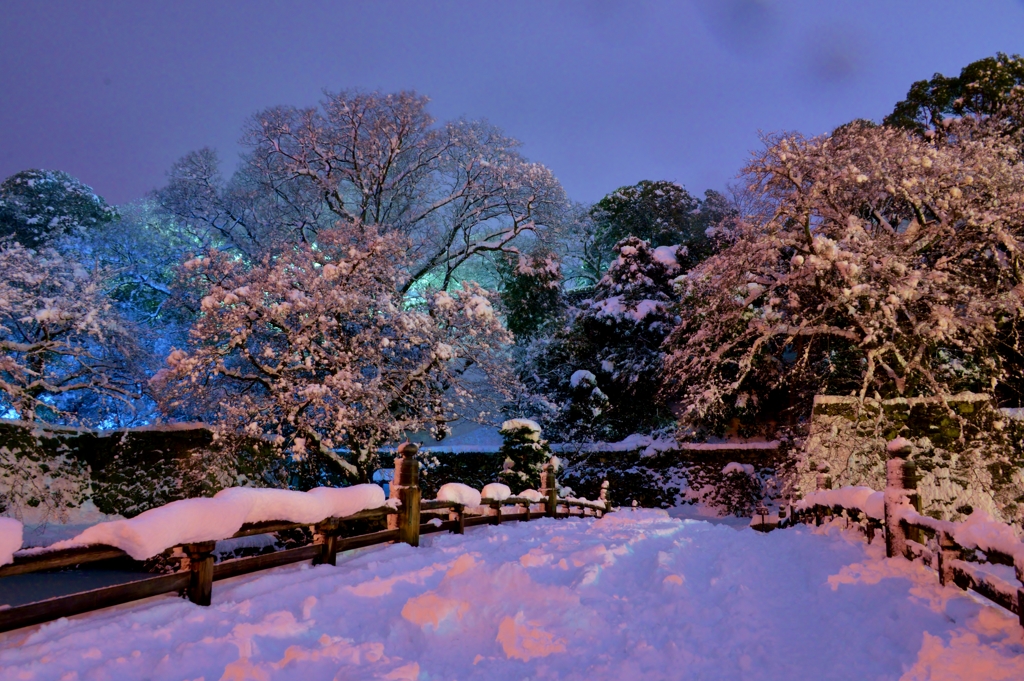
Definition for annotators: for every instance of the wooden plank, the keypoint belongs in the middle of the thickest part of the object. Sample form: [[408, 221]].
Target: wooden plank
[[269, 526], [75, 604], [445, 526], [989, 586], [474, 520], [51, 560], [243, 566], [382, 537], [435, 504]]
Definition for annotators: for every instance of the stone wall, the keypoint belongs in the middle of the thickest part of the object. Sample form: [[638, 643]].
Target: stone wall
[[968, 453]]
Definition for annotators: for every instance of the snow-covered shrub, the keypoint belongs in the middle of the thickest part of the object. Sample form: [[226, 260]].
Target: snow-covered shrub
[[317, 351], [890, 267], [523, 453]]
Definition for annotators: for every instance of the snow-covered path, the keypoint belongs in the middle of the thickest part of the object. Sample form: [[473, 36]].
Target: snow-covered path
[[631, 596]]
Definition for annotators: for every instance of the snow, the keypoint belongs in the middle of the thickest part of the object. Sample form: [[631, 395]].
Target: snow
[[517, 424], [981, 531], [459, 493], [496, 491], [898, 444], [196, 520], [532, 495], [734, 467], [666, 255], [635, 595], [864, 498], [10, 539], [580, 376]]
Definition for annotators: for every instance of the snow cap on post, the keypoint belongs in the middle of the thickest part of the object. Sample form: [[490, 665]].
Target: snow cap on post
[[899, 448]]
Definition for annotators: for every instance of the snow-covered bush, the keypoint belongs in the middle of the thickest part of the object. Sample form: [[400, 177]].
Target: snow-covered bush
[[317, 351], [890, 267], [524, 453]]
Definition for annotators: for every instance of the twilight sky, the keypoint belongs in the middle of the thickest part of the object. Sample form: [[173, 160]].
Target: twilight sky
[[604, 92]]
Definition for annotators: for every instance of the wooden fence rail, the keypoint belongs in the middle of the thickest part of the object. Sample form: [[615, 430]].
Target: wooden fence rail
[[909, 534], [199, 570]]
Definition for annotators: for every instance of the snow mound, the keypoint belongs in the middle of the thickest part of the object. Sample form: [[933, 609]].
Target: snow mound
[[734, 467], [898, 444], [459, 493], [666, 255], [531, 494], [519, 424], [10, 539], [863, 498], [981, 531], [196, 520], [581, 376], [496, 491]]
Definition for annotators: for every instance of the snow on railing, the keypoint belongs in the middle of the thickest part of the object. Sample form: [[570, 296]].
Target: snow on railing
[[189, 529], [954, 549]]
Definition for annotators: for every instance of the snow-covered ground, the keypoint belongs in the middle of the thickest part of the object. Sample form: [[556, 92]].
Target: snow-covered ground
[[635, 595]]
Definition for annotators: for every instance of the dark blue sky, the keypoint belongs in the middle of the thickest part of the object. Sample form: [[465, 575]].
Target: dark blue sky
[[605, 93]]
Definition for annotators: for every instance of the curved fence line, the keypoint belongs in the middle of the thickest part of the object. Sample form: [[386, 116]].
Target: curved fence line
[[956, 551], [198, 571]]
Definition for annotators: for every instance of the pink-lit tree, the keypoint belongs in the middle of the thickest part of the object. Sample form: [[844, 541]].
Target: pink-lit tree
[[317, 351], [891, 265]]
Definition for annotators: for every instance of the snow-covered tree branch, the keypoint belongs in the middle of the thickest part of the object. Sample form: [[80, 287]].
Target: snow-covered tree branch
[[316, 349]]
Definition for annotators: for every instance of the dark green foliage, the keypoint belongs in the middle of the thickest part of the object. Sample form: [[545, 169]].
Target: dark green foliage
[[675, 478], [131, 471], [982, 88], [39, 206], [662, 213], [616, 335], [473, 469], [523, 454], [531, 292]]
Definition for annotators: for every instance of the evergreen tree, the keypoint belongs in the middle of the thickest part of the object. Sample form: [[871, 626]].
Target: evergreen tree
[[525, 453], [531, 291], [615, 337], [40, 206], [661, 213], [983, 88]]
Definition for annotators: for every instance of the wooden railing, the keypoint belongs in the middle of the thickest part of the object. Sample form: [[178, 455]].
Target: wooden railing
[[917, 537], [198, 570]]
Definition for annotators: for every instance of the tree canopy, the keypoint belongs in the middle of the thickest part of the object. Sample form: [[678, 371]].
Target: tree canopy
[[39, 206]]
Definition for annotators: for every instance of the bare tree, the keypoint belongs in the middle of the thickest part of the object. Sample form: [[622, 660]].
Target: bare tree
[[456, 190]]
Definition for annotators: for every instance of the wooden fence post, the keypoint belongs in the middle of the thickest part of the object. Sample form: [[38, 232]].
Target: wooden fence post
[[603, 497], [495, 513], [549, 488], [458, 514], [895, 538], [405, 486], [200, 566], [1018, 570], [327, 535], [947, 554]]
